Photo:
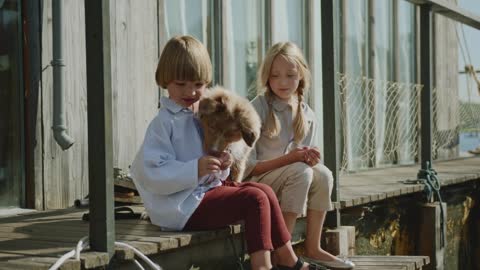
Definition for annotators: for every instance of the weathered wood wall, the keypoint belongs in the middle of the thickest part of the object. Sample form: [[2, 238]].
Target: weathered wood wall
[[62, 176], [134, 59]]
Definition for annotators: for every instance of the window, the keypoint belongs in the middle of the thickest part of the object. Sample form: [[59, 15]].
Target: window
[[182, 17], [290, 22], [244, 44], [407, 145], [11, 106], [186, 17], [377, 90], [353, 66], [384, 94]]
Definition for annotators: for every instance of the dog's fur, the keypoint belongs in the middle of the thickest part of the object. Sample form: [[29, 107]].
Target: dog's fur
[[230, 123]]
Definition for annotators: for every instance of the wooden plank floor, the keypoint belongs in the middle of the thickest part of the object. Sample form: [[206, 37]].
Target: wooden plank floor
[[36, 241], [378, 184], [389, 262]]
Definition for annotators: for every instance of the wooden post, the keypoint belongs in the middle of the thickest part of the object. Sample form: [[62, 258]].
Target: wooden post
[[99, 99], [370, 88], [340, 241], [429, 242], [331, 111], [215, 43]]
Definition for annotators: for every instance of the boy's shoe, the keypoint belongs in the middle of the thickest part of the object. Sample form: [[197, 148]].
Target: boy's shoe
[[338, 263]]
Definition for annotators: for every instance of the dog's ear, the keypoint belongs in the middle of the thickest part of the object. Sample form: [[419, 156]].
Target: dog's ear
[[247, 127], [248, 136], [220, 103], [206, 106]]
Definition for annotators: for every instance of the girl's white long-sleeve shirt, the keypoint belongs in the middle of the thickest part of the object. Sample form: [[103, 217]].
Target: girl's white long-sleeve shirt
[[165, 169], [269, 148]]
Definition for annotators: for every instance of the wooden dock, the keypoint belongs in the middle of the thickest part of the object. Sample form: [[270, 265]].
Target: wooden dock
[[379, 184], [390, 262], [36, 241]]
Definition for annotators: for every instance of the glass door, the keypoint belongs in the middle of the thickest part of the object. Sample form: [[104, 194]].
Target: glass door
[[11, 106]]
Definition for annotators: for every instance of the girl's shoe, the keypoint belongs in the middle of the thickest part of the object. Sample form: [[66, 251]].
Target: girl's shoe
[[338, 263]]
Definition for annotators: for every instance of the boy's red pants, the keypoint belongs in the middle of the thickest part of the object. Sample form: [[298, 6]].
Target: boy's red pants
[[253, 203]]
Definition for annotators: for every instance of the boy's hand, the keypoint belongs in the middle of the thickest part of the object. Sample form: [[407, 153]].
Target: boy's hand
[[312, 156], [226, 160], [208, 165]]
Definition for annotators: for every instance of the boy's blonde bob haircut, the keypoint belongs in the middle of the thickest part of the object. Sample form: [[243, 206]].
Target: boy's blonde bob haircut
[[184, 58], [293, 54]]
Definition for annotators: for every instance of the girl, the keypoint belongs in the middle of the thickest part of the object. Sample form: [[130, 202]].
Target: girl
[[184, 189], [285, 157]]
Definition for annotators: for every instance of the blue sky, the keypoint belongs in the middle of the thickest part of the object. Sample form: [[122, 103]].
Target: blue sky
[[472, 37]]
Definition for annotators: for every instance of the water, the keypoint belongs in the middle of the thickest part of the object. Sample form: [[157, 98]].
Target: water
[[469, 141]]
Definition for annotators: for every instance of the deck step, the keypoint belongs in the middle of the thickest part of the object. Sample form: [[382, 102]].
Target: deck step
[[389, 262]]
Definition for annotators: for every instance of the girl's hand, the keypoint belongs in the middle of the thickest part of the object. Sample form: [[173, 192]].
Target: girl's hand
[[208, 165], [226, 160], [312, 156], [298, 154]]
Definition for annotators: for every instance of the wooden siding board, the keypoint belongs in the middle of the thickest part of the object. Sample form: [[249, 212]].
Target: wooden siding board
[[46, 104], [134, 59], [64, 173], [76, 159]]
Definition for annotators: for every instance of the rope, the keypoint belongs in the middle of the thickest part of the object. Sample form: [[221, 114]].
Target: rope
[[83, 243], [470, 69], [465, 42], [140, 254], [138, 265], [432, 187], [462, 50]]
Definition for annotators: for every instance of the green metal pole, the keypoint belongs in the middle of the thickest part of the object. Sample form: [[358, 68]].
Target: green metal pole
[[331, 111], [99, 98], [426, 94]]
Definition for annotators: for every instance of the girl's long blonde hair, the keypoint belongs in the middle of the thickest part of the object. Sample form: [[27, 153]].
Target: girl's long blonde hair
[[294, 54]]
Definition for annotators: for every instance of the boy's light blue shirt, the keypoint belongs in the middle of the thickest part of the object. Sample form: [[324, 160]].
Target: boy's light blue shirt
[[165, 169]]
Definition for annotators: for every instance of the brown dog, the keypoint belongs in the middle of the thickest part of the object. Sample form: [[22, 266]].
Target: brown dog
[[230, 123]]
